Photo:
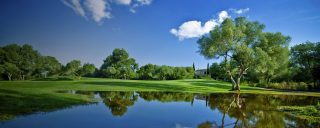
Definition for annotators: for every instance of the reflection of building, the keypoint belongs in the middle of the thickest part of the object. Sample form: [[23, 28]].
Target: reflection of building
[[201, 72]]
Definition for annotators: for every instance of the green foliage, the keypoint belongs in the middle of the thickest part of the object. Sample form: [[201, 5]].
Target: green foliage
[[243, 45], [88, 70], [305, 64], [48, 66], [23, 62], [155, 72], [119, 65], [217, 72], [300, 86]]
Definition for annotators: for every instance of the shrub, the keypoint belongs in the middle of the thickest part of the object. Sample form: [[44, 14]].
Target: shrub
[[301, 86]]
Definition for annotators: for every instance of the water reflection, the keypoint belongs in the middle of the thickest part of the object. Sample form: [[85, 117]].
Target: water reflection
[[118, 102], [247, 110], [234, 110]]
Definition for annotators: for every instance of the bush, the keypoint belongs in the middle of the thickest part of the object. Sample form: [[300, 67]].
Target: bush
[[60, 78], [301, 86]]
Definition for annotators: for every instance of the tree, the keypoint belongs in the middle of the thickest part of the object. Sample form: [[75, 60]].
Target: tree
[[27, 61], [119, 60], [216, 71], [10, 69], [164, 72], [305, 59], [73, 68], [48, 65], [208, 70], [234, 40], [271, 56], [147, 72], [88, 69], [110, 72]]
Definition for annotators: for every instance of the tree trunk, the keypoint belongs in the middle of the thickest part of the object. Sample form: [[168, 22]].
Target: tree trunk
[[238, 84], [232, 80], [9, 76]]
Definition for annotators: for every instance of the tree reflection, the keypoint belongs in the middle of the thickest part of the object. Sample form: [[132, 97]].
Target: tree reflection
[[246, 110], [253, 110], [118, 102], [167, 96]]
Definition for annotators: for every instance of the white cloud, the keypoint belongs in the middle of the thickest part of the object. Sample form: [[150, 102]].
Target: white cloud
[[76, 6], [101, 9], [123, 2], [144, 2], [193, 29], [139, 3], [223, 15], [239, 11], [98, 9]]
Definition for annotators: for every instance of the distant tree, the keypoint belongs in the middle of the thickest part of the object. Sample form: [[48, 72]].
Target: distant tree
[[147, 72], [305, 60], [110, 72], [120, 61], [164, 72], [216, 71], [48, 65], [88, 70], [73, 68], [194, 68], [22, 57], [208, 70], [10, 69], [27, 61]]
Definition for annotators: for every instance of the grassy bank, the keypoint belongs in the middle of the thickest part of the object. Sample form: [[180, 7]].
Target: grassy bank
[[99, 84]]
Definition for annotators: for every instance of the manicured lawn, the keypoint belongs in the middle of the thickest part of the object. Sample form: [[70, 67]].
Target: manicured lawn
[[100, 84]]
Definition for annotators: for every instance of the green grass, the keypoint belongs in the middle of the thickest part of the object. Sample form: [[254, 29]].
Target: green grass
[[25, 97], [99, 84]]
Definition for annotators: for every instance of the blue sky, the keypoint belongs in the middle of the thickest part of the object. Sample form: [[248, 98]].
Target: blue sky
[[152, 31]]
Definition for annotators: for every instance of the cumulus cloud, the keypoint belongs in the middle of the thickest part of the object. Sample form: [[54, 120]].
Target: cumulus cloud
[[98, 9], [193, 29], [223, 15], [239, 11], [101, 9]]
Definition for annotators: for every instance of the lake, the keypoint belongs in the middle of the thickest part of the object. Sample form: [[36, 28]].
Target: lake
[[168, 110]]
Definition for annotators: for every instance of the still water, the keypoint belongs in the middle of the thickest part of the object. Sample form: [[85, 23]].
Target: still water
[[169, 110]]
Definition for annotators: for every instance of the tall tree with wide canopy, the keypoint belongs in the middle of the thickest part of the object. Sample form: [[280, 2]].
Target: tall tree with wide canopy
[[119, 60], [306, 58], [236, 41]]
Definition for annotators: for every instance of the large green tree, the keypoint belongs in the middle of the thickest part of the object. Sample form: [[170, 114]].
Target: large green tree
[[305, 60], [237, 42], [88, 70], [48, 65], [73, 68], [119, 60], [20, 58]]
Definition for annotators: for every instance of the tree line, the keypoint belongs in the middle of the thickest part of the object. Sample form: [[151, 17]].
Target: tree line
[[23, 62], [258, 57]]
